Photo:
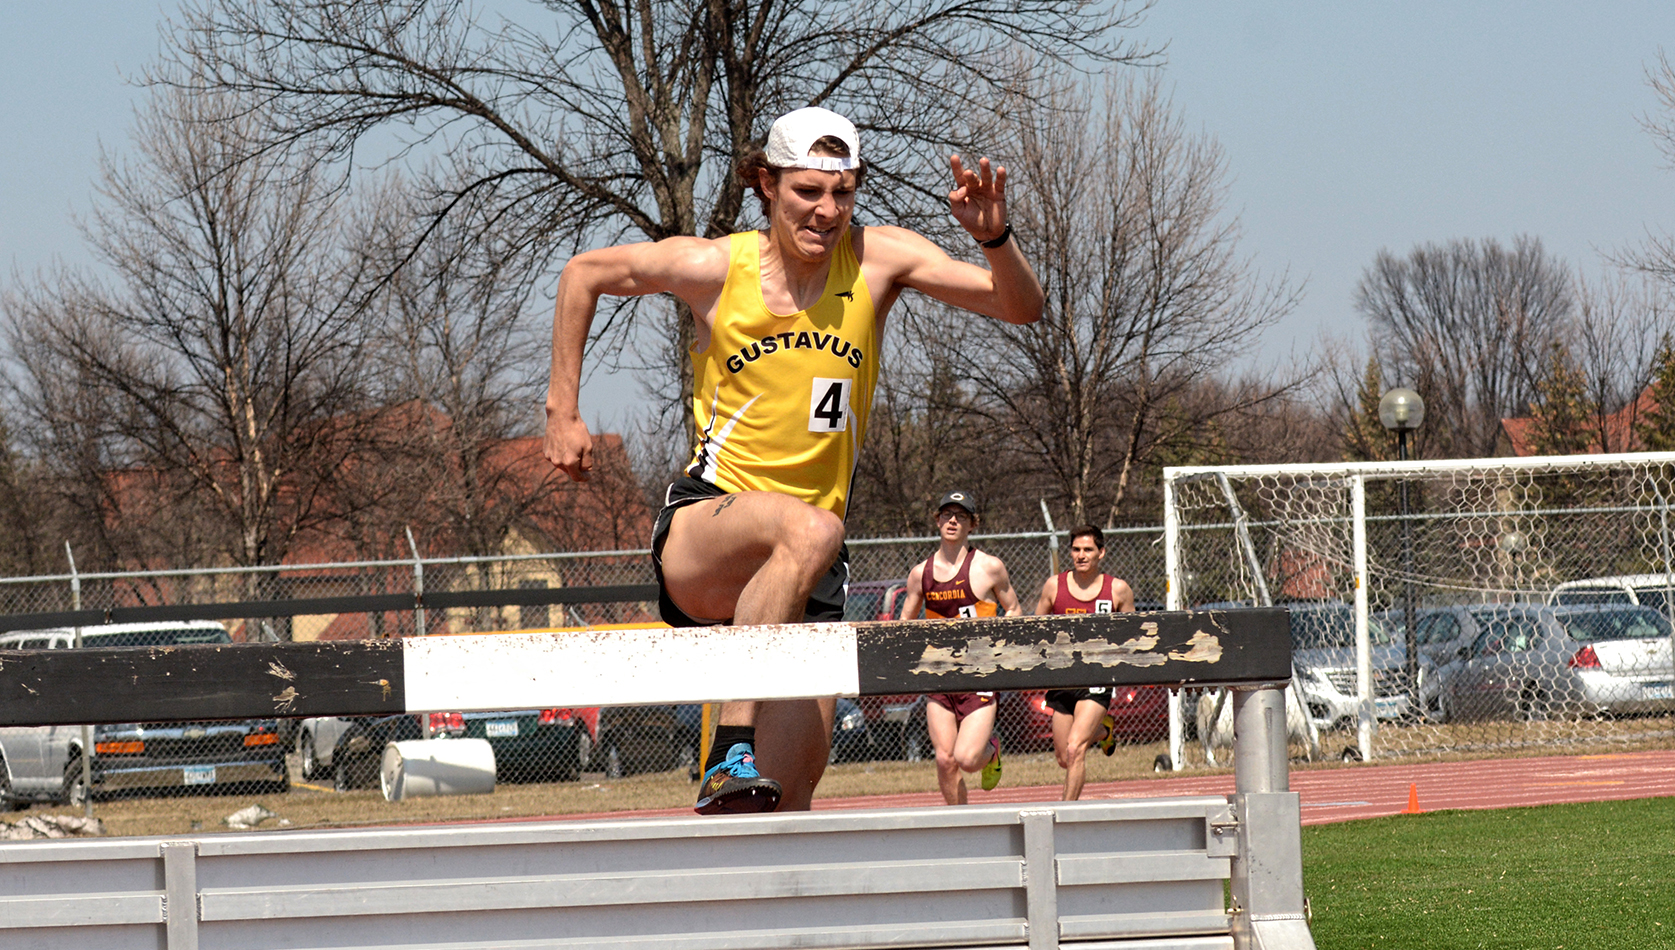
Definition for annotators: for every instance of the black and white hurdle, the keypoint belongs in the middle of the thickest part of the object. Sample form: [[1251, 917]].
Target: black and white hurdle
[[1252, 837], [622, 667]]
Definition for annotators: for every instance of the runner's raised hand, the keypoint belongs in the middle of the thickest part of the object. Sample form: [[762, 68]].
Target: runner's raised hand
[[978, 201]]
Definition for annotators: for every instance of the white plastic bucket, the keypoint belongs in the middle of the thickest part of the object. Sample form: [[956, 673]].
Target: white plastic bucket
[[421, 767]]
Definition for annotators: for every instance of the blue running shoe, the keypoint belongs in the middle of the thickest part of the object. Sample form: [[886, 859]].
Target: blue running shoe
[[733, 787]]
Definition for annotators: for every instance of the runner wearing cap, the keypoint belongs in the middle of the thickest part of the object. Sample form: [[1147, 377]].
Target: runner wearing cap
[[788, 323], [1081, 717], [960, 581]]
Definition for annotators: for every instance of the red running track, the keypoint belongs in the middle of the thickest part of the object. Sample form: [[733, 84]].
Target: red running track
[[1358, 791]]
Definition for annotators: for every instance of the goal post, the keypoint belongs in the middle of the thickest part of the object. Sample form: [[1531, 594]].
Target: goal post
[[1475, 605]]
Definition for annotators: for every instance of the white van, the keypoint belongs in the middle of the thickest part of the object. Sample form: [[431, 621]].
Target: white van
[[45, 762]]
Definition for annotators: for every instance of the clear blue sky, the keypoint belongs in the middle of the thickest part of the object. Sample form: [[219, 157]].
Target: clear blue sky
[[1348, 127]]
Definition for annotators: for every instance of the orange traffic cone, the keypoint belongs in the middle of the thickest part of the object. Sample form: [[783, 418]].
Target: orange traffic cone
[[1412, 800]]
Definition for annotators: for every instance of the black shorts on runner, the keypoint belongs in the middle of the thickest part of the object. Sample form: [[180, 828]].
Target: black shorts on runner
[[824, 603], [1065, 700]]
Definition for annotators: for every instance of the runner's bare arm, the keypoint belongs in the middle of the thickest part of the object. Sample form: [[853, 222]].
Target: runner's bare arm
[[1049, 593], [1005, 596], [692, 269], [914, 600], [1007, 290], [1122, 594]]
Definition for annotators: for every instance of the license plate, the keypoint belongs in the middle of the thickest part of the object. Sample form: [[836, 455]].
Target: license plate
[[499, 729], [199, 775], [1659, 691]]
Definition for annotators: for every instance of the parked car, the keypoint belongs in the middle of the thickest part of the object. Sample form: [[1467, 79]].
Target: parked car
[[634, 739], [1141, 713], [528, 744], [874, 600], [44, 763], [1323, 652], [1441, 633], [894, 724], [1537, 662], [1656, 591], [359, 750], [851, 741]]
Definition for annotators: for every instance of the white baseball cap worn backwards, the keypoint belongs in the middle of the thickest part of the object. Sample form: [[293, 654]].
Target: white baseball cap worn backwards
[[794, 133]]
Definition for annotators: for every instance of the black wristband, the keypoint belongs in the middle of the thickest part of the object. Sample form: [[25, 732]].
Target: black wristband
[[1005, 236]]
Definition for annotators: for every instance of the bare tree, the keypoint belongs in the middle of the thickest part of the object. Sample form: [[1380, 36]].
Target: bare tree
[[585, 122], [921, 442], [1147, 299], [457, 352], [1468, 324], [1656, 254], [1613, 341], [218, 371]]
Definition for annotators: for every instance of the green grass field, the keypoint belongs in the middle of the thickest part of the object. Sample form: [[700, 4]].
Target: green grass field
[[1598, 876]]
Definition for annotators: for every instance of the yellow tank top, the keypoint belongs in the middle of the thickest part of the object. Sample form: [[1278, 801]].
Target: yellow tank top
[[781, 401]]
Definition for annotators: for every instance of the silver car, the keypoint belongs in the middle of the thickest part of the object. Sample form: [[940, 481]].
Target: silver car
[[45, 763], [1323, 653], [1536, 662]]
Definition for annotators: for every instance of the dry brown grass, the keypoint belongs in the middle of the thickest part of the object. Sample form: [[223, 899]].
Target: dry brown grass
[[313, 806]]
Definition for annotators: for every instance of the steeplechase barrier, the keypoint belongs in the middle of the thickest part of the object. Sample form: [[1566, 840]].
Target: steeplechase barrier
[[1137, 875]]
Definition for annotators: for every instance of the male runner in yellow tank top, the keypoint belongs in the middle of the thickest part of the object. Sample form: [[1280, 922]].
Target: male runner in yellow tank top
[[787, 329]]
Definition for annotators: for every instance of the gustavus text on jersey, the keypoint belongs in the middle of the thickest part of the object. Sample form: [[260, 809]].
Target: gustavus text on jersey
[[795, 340]]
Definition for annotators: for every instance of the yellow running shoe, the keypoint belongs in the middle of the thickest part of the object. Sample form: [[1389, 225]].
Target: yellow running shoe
[[1108, 744], [991, 770]]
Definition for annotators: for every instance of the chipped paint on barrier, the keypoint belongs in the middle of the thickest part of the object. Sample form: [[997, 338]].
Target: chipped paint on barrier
[[982, 655], [1203, 648], [631, 666]]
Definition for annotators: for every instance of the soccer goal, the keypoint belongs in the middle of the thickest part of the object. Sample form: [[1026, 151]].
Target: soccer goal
[[1460, 606]]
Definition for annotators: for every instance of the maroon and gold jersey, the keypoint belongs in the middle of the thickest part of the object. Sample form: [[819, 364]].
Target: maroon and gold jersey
[[954, 598], [1067, 603]]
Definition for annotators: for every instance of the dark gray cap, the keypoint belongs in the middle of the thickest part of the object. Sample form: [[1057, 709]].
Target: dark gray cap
[[964, 499]]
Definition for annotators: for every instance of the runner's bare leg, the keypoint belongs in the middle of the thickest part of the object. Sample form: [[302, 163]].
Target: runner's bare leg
[[1079, 735], [756, 556], [944, 734]]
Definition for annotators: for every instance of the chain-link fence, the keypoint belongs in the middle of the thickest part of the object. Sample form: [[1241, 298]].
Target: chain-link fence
[[1475, 607], [565, 750], [1539, 594]]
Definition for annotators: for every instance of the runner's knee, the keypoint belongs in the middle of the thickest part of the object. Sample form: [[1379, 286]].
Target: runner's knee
[[814, 537]]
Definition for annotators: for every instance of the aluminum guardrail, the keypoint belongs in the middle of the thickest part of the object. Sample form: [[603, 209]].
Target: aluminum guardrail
[[1145, 873]]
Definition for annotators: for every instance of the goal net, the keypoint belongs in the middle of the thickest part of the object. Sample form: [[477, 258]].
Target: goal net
[[1442, 607]]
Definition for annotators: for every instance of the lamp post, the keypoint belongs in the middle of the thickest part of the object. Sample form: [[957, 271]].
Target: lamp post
[[1401, 411]]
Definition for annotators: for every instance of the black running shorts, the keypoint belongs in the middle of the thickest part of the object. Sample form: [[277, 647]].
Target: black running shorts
[[1065, 700], [824, 603]]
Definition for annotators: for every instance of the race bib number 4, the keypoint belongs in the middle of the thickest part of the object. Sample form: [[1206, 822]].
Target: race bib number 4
[[828, 405]]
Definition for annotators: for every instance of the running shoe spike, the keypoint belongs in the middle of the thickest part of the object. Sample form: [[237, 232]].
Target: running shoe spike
[[734, 787]]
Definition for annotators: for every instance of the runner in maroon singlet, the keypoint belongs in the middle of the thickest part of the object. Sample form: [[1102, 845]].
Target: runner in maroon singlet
[[1080, 715], [961, 725]]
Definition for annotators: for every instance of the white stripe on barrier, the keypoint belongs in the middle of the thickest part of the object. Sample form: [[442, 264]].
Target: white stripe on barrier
[[631, 667]]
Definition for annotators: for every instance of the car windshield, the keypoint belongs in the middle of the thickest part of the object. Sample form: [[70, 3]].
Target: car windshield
[[1331, 628], [178, 636], [1638, 623]]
